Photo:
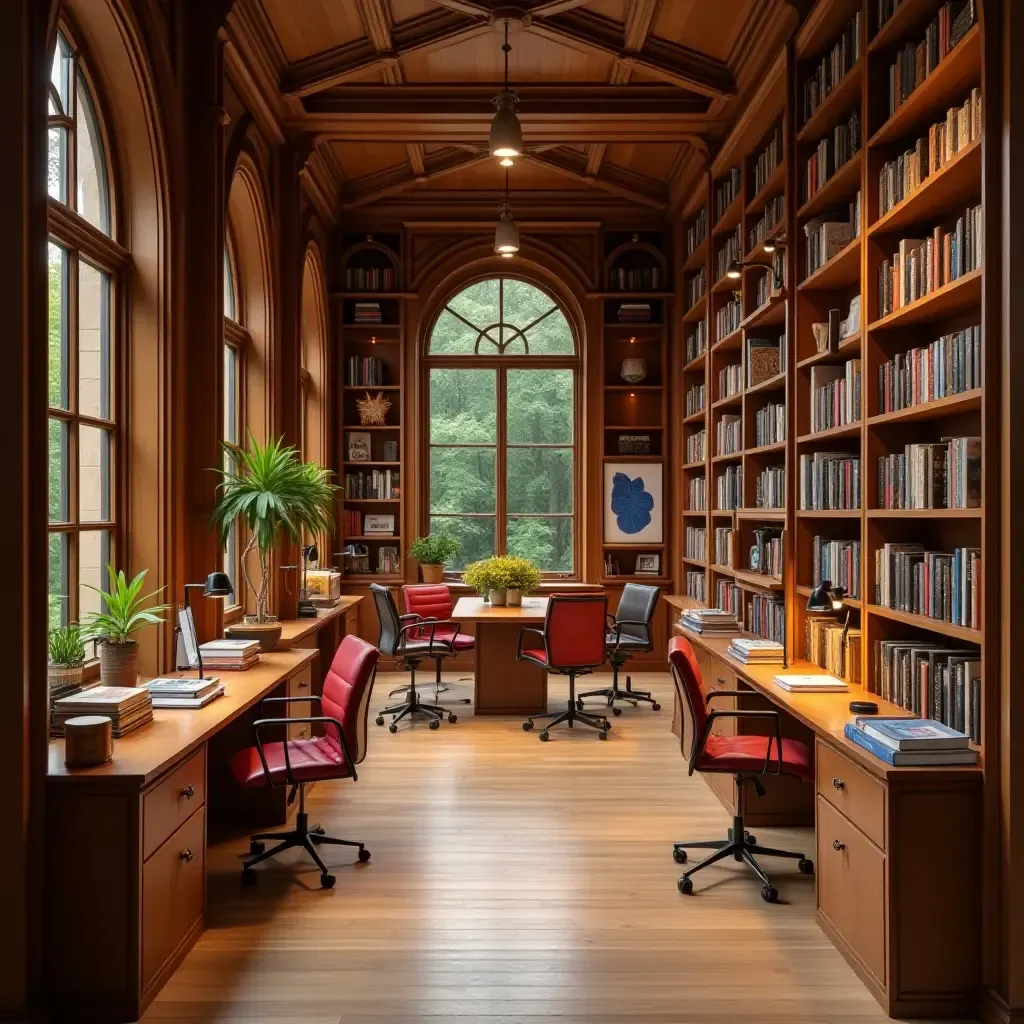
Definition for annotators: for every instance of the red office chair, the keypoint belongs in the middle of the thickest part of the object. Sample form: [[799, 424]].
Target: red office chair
[[344, 705], [432, 602], [748, 758], [572, 643]]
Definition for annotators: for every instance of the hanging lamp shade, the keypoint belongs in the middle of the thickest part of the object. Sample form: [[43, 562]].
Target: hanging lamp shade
[[506, 138], [506, 235]]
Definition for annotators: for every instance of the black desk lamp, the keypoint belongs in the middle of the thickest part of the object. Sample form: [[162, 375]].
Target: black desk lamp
[[828, 600], [218, 584]]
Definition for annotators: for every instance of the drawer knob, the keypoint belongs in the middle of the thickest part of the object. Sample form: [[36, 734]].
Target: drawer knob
[[187, 856], [836, 845], [303, 684], [720, 681], [188, 792], [838, 783]]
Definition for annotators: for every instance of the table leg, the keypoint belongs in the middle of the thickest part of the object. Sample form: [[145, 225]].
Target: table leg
[[503, 685]]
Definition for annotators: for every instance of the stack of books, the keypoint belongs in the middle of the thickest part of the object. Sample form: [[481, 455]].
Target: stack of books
[[127, 707], [755, 652], [634, 312], [911, 741], [233, 655], [368, 313], [815, 683], [709, 620], [184, 693]]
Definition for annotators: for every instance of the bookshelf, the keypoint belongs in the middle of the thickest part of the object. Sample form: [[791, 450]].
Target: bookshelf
[[371, 312]]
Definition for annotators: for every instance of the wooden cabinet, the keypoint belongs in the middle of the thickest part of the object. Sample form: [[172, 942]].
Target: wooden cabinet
[[166, 805], [852, 791], [301, 685]]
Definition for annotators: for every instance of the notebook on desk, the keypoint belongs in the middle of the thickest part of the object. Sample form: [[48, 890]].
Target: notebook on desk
[[795, 683]]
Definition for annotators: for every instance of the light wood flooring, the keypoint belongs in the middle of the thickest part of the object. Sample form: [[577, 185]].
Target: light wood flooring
[[514, 881]]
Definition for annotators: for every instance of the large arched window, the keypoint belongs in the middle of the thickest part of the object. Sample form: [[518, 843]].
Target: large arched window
[[501, 369], [232, 428]]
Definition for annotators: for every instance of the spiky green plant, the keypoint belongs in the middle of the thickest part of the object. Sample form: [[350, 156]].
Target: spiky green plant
[[124, 613], [66, 645], [270, 489], [435, 549]]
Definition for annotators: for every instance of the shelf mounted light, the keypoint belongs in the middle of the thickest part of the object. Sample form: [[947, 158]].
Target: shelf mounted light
[[506, 135]]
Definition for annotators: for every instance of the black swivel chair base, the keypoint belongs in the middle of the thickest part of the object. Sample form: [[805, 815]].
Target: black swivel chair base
[[571, 715], [301, 836], [414, 706], [741, 846], [612, 693]]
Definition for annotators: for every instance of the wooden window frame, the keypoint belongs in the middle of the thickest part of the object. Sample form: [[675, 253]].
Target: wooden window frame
[[237, 338]]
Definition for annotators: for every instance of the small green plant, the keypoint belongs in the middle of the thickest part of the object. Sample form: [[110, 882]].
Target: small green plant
[[435, 549], [502, 573], [124, 613], [66, 645]]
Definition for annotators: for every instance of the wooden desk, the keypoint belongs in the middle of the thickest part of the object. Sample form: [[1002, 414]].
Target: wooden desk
[[898, 850], [300, 632], [126, 843], [501, 684]]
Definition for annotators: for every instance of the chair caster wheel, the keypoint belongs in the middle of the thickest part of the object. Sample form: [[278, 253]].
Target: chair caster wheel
[[679, 856], [655, 707], [806, 866], [527, 726], [579, 705], [607, 726], [318, 830], [435, 723], [248, 877], [452, 719], [364, 855], [327, 881], [379, 719], [256, 846], [616, 711], [685, 886], [543, 736], [749, 839], [392, 728], [769, 894], [602, 734]]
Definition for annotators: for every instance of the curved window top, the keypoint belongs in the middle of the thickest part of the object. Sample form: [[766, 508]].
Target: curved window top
[[502, 316], [230, 310]]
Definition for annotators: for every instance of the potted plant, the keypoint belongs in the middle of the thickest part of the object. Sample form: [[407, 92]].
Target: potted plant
[[66, 647], [270, 489], [504, 579], [479, 578], [433, 552], [113, 628]]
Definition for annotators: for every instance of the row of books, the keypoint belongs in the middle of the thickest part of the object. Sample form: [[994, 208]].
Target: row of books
[[697, 231], [127, 707], [368, 313], [725, 546], [906, 742], [729, 598], [727, 253], [906, 173], [388, 560], [827, 235], [726, 191], [831, 153], [730, 380], [771, 283], [729, 434], [636, 279], [755, 652], [922, 265], [766, 358], [695, 399], [711, 621], [932, 680], [766, 551], [837, 561], [728, 318], [938, 584], [916, 61], [697, 341], [695, 542], [768, 159], [698, 495], [368, 371], [950, 365], [696, 585], [697, 446], [766, 617], [771, 487], [774, 211], [377, 484], [770, 424], [729, 488], [370, 279], [945, 474], [833, 646], [829, 480], [830, 70], [696, 286], [634, 312], [835, 394]]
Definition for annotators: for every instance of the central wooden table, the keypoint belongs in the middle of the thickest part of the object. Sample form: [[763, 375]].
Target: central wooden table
[[502, 685]]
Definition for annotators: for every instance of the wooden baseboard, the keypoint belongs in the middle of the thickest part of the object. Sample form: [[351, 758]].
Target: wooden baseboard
[[994, 1010]]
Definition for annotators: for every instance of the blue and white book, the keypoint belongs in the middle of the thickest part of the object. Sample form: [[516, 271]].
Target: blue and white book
[[913, 733], [908, 758]]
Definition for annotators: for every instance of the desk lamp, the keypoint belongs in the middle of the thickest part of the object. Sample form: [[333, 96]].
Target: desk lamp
[[828, 600], [218, 584], [307, 610]]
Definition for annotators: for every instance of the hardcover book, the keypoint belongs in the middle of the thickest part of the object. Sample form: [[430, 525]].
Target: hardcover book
[[913, 733]]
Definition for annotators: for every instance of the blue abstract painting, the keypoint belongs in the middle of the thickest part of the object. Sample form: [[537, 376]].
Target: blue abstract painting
[[632, 502]]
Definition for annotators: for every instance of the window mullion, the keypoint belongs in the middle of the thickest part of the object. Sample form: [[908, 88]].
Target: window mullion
[[500, 472]]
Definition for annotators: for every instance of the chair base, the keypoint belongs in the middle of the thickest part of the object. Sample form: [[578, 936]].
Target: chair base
[[570, 716], [612, 693], [414, 706], [741, 846]]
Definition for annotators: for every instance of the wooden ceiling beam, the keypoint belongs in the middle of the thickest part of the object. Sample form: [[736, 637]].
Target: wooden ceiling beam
[[541, 10], [560, 163], [395, 179]]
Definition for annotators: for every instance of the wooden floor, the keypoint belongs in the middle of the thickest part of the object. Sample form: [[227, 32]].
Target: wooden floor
[[515, 881]]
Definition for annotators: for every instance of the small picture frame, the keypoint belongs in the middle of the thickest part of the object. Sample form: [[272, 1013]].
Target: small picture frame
[[357, 445], [373, 523], [648, 564]]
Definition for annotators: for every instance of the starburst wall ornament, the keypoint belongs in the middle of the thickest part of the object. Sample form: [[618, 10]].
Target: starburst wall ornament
[[372, 410]]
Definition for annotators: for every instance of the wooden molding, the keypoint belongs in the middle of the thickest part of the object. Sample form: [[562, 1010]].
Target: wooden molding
[[74, 230], [396, 179], [567, 163], [321, 183]]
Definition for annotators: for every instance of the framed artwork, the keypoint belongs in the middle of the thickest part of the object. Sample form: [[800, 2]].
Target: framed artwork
[[378, 524], [648, 563], [358, 444], [633, 504]]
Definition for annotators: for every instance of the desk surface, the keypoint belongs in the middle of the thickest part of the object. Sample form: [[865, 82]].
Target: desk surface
[[475, 609], [143, 754], [294, 630]]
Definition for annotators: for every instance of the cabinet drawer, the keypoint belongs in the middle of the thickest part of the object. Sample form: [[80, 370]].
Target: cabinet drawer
[[300, 685], [722, 678], [851, 790], [173, 885], [170, 802], [851, 887]]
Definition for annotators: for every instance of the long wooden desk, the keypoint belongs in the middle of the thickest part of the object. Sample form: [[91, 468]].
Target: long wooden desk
[[126, 842], [898, 850]]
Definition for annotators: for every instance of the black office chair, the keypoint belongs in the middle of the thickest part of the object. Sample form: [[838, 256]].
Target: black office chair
[[409, 639], [630, 632]]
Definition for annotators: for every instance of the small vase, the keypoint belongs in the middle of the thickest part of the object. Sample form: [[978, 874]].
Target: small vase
[[119, 663], [498, 598], [633, 370], [513, 597], [432, 573]]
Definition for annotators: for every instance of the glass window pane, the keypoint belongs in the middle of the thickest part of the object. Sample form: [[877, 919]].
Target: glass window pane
[[451, 336], [231, 404], [57, 580], [480, 305], [463, 406], [229, 287], [547, 542], [539, 406], [462, 480], [476, 538], [57, 264], [539, 480], [93, 557], [57, 164], [58, 471], [92, 191], [231, 562], [60, 70], [93, 341], [526, 304], [93, 474]]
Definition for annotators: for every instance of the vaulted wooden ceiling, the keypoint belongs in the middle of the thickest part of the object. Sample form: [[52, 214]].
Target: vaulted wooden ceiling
[[618, 98]]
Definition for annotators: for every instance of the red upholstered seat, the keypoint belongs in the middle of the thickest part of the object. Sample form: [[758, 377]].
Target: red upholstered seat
[[434, 601], [311, 760], [537, 654]]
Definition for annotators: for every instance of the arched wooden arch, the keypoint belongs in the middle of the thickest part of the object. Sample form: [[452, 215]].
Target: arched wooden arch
[[313, 338]]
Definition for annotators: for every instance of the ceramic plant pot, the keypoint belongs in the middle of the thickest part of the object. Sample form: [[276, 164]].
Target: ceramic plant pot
[[267, 633], [498, 598], [432, 573], [119, 664], [513, 597]]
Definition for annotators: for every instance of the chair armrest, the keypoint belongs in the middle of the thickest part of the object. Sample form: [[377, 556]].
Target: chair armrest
[[617, 627], [432, 625], [305, 720], [311, 699], [698, 749], [728, 693], [410, 616], [535, 632]]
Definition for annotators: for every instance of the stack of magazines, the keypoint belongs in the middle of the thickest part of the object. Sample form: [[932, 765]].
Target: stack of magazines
[[231, 654], [911, 741], [184, 693], [127, 707], [709, 620], [756, 652]]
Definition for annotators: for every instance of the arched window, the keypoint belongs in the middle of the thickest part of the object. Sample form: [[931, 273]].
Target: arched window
[[502, 366], [313, 329], [235, 339], [84, 344]]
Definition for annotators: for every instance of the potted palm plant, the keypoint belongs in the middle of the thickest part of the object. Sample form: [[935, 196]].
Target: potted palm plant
[[113, 629], [270, 489], [433, 552]]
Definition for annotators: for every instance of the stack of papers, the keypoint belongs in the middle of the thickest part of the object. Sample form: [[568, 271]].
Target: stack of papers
[[911, 741], [230, 653], [709, 620], [818, 683], [127, 707], [756, 652], [184, 693]]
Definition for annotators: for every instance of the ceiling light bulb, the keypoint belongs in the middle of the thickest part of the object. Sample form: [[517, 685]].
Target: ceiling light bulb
[[507, 255], [505, 161], [506, 137], [506, 235]]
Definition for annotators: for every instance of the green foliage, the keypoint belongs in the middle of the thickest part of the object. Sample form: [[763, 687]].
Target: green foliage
[[436, 549], [502, 573], [124, 613], [66, 645]]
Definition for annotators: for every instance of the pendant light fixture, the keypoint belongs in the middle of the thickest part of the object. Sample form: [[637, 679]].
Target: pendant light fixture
[[506, 137], [506, 234]]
